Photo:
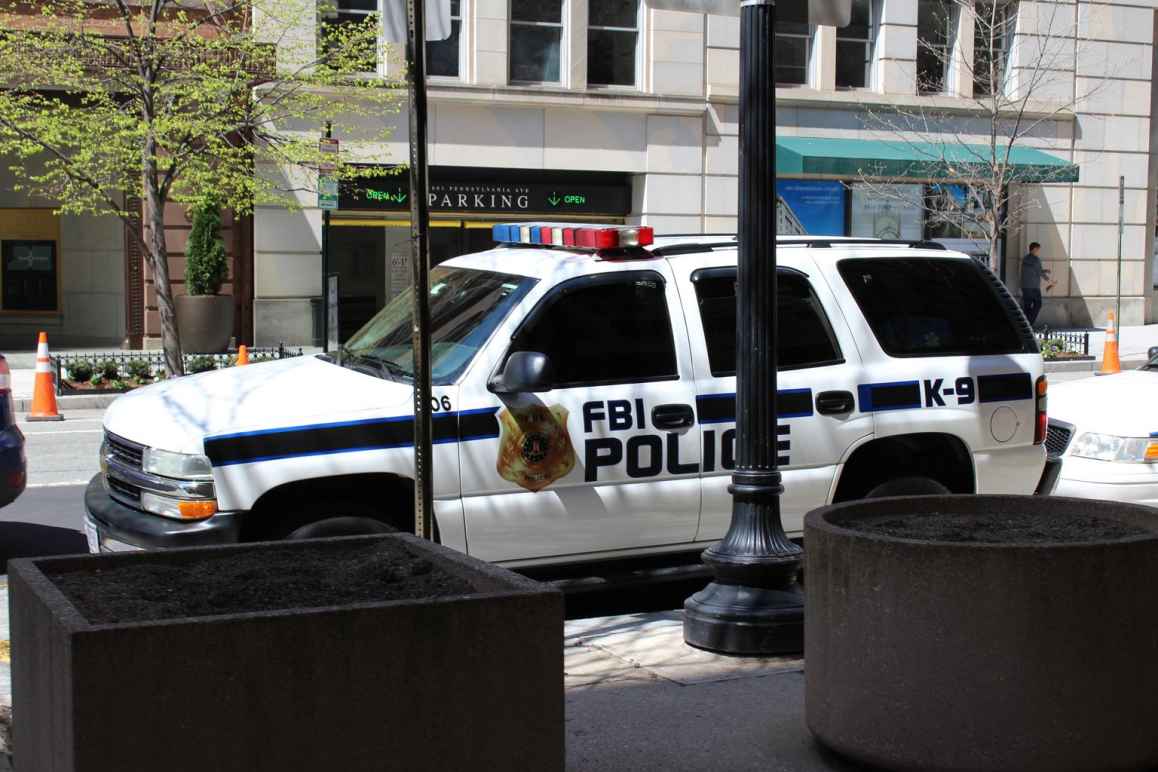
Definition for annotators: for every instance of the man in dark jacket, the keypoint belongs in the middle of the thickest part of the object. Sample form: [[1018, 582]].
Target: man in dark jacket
[[1031, 276]]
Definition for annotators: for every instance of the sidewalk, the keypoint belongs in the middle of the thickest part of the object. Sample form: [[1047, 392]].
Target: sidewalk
[[638, 699]]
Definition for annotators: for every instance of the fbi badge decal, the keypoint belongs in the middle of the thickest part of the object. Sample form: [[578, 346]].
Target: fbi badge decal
[[534, 447]]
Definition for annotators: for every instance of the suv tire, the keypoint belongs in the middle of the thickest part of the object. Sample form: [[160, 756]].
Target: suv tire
[[908, 486], [340, 526]]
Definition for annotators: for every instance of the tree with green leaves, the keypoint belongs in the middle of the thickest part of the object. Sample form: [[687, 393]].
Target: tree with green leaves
[[105, 101]]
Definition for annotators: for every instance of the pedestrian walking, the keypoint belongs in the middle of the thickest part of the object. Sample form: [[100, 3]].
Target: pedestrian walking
[[1032, 274]]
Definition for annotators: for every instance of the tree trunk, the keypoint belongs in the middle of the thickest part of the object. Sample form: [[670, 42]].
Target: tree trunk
[[154, 227]]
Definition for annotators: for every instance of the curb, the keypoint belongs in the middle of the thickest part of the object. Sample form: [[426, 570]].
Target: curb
[[1089, 365], [72, 401]]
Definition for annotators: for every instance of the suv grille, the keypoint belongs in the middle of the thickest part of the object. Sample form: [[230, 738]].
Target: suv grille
[[128, 453], [1057, 439]]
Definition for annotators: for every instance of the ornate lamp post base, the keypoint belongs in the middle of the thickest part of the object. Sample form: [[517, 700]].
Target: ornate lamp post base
[[735, 619]]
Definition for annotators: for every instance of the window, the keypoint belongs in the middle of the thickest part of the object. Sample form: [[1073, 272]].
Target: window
[[29, 275], [992, 35], [920, 307], [793, 44], [854, 47], [608, 329], [344, 30], [955, 212], [536, 40], [805, 339], [936, 30], [442, 55], [465, 308], [612, 36]]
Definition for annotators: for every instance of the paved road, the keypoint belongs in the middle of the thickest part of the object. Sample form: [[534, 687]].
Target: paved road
[[62, 457]]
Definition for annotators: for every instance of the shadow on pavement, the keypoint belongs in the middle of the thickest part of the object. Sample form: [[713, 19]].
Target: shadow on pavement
[[25, 540]]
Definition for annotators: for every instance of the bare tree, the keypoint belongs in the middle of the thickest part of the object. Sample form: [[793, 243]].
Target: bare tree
[[1020, 72]]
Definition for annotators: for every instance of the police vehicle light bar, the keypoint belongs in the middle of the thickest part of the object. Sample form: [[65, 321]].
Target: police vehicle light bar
[[579, 237]]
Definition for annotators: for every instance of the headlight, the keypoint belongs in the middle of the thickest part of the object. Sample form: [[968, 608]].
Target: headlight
[[1108, 447], [182, 466]]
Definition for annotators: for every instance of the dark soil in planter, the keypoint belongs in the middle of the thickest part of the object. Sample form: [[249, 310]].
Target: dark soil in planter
[[247, 581], [991, 528]]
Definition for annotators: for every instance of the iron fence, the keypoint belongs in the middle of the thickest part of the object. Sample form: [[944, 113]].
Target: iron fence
[[115, 371], [1058, 344]]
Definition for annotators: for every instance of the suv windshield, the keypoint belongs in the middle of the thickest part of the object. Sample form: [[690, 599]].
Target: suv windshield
[[925, 306], [465, 308]]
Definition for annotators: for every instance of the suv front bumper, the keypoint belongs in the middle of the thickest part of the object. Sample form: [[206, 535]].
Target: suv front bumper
[[114, 526]]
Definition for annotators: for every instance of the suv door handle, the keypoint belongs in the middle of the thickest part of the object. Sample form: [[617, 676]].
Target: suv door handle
[[674, 416], [834, 402]]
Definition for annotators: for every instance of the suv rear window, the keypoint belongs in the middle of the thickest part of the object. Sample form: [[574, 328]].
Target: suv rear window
[[920, 307]]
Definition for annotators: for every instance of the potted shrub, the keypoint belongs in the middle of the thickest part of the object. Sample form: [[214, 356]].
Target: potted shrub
[[356, 654], [205, 318]]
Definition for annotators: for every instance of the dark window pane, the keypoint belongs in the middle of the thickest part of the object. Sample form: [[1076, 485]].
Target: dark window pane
[[28, 275], [616, 332], [933, 21], [535, 53], [610, 57], [930, 70], [860, 20], [791, 13], [347, 34], [805, 340], [356, 5], [935, 307], [791, 60], [851, 66], [537, 10], [613, 13], [442, 55]]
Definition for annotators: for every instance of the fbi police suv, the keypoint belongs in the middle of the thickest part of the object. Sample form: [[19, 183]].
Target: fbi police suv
[[584, 398]]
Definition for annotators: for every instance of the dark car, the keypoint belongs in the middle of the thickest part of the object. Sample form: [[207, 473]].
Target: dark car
[[13, 466]]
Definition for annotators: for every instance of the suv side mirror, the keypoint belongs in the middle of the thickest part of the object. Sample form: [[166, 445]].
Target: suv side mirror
[[1152, 352], [524, 371]]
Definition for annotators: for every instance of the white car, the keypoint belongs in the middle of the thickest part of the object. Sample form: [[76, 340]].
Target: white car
[[585, 403], [1105, 429]]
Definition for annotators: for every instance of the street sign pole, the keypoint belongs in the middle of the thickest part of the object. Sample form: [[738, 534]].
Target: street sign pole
[[328, 201], [754, 605], [1121, 229], [419, 253]]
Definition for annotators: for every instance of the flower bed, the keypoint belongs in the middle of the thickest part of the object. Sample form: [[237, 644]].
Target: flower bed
[[118, 372]]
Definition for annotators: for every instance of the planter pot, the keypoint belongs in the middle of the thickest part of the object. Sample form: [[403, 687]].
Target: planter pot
[[983, 633], [205, 322], [450, 678]]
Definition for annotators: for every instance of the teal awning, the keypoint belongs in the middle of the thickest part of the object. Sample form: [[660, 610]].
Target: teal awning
[[889, 159]]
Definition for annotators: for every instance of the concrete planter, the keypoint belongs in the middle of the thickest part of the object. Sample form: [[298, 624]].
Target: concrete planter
[[205, 322], [467, 681], [1035, 652]]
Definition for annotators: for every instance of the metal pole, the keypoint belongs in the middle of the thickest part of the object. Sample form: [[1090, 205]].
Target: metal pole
[[326, 264], [1121, 228], [419, 249], [754, 605]]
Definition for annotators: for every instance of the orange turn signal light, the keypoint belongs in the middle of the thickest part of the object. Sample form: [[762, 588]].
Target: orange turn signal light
[[1152, 451], [197, 510]]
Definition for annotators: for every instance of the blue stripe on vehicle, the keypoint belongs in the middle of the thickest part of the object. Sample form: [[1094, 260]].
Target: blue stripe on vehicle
[[892, 395], [721, 408], [347, 437]]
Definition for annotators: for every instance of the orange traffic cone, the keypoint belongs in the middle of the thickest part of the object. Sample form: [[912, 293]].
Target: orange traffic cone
[[242, 355], [1110, 362], [44, 390]]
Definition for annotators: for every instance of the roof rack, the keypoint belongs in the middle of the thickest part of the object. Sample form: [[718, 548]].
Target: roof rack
[[690, 247], [917, 244]]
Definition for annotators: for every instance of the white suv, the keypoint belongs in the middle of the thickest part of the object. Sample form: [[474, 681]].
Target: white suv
[[585, 403]]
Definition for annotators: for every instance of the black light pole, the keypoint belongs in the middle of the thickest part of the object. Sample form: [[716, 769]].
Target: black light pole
[[419, 251], [326, 264], [754, 605]]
